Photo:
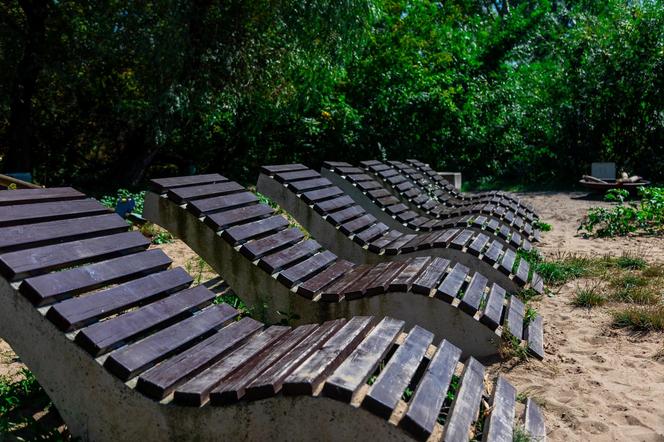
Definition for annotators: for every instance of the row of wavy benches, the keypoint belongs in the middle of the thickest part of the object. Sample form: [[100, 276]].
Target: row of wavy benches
[[128, 349]]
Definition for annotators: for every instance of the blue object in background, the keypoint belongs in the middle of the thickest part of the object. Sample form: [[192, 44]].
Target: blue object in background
[[124, 207], [23, 176]]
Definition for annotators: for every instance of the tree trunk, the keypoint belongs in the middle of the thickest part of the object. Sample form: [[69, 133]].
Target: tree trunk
[[21, 134]]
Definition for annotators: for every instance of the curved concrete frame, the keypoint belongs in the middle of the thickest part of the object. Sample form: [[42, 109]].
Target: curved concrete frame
[[99, 407], [268, 296], [343, 246]]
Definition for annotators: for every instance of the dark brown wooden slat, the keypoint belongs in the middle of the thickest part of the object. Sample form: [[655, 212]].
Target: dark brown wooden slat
[[395, 246], [522, 271], [307, 268], [499, 424], [534, 421], [449, 288], [345, 215], [41, 212], [260, 247], [445, 236], [535, 337], [78, 312], [244, 232], [196, 391], [277, 168], [409, 274], [507, 262], [271, 381], [314, 196], [371, 233], [129, 361], [515, 315], [382, 282], [104, 336], [219, 203], [223, 220], [161, 184], [335, 291], [41, 290], [385, 393], [334, 204], [357, 224], [381, 242], [305, 185], [515, 239], [368, 185], [161, 380], [279, 260], [362, 362], [427, 401], [470, 302], [306, 378], [476, 247], [283, 177], [494, 307], [358, 288], [312, 286], [191, 193], [431, 276], [537, 283], [232, 389], [24, 263], [466, 406], [31, 196], [492, 254], [50, 232], [461, 240]]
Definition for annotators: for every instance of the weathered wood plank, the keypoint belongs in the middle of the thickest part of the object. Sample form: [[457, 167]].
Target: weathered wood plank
[[535, 337], [162, 184], [31, 196], [449, 288], [466, 406], [431, 276], [191, 193], [515, 315], [41, 212], [408, 274], [534, 421], [244, 232], [219, 203], [470, 302], [307, 268], [240, 215], [315, 284], [257, 248], [499, 424], [286, 257], [494, 307]]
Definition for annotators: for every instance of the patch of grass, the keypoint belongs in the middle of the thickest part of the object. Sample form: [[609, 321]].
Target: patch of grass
[[156, 234], [521, 435], [588, 297], [544, 227], [631, 262], [234, 301], [640, 318], [636, 289], [511, 346], [659, 355], [560, 272], [529, 316], [654, 271], [527, 295], [197, 267]]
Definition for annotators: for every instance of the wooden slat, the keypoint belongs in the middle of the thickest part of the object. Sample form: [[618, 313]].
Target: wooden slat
[[534, 421], [357, 224], [333, 204], [336, 290], [382, 282], [515, 315], [359, 287], [522, 271], [271, 381], [431, 276], [385, 393], [78, 312], [191, 193], [356, 369], [51, 232], [466, 406], [478, 244], [305, 185], [494, 307], [233, 388], [24, 263], [196, 391], [296, 175], [380, 243], [31, 196], [425, 405], [286, 257], [307, 268], [240, 215], [314, 196], [131, 360], [371, 233], [260, 247], [44, 289], [449, 288], [409, 274], [507, 262], [244, 232], [499, 424], [492, 254], [103, 336], [219, 203], [315, 284], [161, 184], [470, 302], [277, 168], [161, 380], [31, 213], [535, 337], [345, 215], [308, 376]]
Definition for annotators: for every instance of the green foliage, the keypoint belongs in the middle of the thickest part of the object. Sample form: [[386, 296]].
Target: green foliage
[[643, 217], [521, 435], [156, 234], [544, 227], [588, 297], [640, 317]]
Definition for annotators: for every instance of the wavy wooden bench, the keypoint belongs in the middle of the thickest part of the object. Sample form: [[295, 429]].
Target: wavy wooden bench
[[419, 192], [445, 191], [344, 227], [399, 203], [129, 350], [276, 269]]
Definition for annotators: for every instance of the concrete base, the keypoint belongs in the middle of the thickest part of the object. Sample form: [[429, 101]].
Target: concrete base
[[336, 241], [98, 407], [267, 296], [453, 178]]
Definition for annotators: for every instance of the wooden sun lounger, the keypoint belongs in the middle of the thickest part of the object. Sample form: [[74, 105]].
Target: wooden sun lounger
[[403, 204], [446, 192], [348, 230], [129, 350], [275, 269]]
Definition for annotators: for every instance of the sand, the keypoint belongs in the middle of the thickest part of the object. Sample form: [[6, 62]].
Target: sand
[[597, 383]]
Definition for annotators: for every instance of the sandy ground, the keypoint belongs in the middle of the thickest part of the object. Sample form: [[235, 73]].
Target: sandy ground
[[596, 383]]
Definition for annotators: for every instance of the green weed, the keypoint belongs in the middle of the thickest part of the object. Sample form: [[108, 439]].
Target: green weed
[[521, 435], [544, 227], [641, 318], [588, 297], [631, 262], [654, 271]]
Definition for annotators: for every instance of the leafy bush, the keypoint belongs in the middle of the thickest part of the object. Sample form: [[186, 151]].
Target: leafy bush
[[643, 217]]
